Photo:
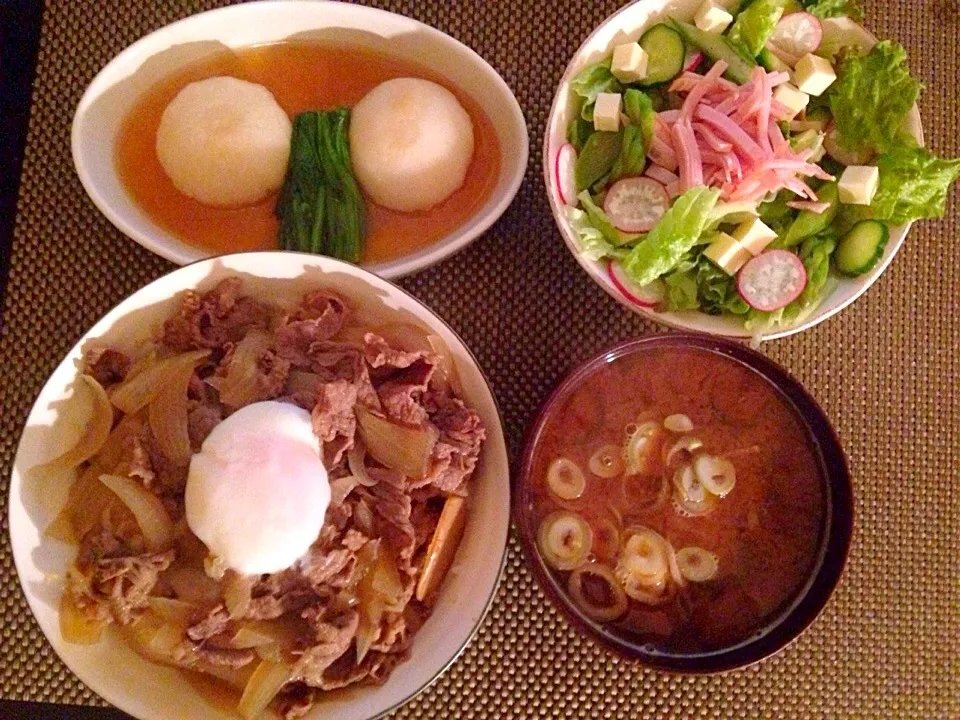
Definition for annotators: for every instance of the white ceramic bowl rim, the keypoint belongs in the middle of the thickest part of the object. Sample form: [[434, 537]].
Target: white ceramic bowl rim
[[21, 562], [721, 326], [127, 216]]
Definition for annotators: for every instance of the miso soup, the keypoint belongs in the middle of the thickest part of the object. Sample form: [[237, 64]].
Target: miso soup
[[678, 499]]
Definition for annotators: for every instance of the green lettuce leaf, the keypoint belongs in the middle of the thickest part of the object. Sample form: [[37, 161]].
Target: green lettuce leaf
[[872, 96], [682, 291], [598, 218], [914, 184], [593, 244], [755, 25], [718, 291], [834, 8], [637, 136], [590, 82], [678, 231]]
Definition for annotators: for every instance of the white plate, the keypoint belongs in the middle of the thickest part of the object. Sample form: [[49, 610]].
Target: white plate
[[152, 692], [627, 25], [116, 89]]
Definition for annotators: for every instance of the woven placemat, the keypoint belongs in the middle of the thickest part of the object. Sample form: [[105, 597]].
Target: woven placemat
[[886, 371]]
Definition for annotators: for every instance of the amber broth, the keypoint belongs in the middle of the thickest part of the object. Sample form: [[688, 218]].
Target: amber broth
[[302, 76], [766, 532]]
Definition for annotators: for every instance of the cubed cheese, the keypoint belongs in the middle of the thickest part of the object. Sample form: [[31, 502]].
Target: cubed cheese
[[754, 235], [727, 253], [791, 98], [858, 184], [814, 74], [629, 63], [606, 113], [712, 18]]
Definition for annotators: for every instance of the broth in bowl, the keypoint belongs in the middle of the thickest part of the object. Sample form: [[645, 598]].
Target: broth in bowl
[[677, 500]]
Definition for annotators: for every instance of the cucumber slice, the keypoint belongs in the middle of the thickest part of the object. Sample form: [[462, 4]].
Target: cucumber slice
[[599, 153], [666, 50], [771, 62], [717, 47], [861, 248], [810, 223]]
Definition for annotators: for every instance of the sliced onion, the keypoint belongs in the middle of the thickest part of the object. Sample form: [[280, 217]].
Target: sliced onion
[[565, 479], [674, 566], [95, 433], [363, 518], [697, 564], [716, 474], [447, 364], [636, 451], [399, 447], [341, 488], [683, 447], [192, 585], [242, 384], [176, 612], [687, 484], [644, 556], [564, 539], [237, 591], [140, 388], [356, 460], [597, 572], [678, 423], [607, 462], [79, 627], [167, 412], [151, 516], [280, 633], [264, 685]]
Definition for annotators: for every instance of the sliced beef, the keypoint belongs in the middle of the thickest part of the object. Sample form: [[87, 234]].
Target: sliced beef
[[401, 395], [125, 582], [279, 593], [391, 507], [334, 420], [332, 638], [455, 455], [380, 354], [201, 420], [374, 670], [106, 365], [318, 319], [295, 701], [320, 566], [215, 318], [214, 623], [221, 657]]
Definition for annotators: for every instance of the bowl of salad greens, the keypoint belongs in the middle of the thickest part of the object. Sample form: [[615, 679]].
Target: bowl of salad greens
[[745, 168]]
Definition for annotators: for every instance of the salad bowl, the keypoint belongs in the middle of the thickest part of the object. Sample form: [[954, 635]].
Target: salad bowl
[[628, 25]]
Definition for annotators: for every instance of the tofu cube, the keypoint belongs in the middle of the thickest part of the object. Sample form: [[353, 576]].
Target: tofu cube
[[629, 63], [727, 253], [790, 97], [814, 74], [858, 184], [606, 113], [754, 235], [712, 18]]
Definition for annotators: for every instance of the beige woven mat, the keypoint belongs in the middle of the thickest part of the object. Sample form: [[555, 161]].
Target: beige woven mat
[[886, 371]]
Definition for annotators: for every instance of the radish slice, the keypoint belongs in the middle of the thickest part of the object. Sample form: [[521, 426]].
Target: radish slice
[[646, 296], [772, 280], [692, 61], [796, 35], [636, 204], [564, 174]]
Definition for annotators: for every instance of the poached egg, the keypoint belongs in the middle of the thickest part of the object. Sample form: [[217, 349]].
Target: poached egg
[[257, 491]]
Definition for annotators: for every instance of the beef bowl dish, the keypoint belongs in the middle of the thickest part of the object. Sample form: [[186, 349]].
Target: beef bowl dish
[[272, 492]]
